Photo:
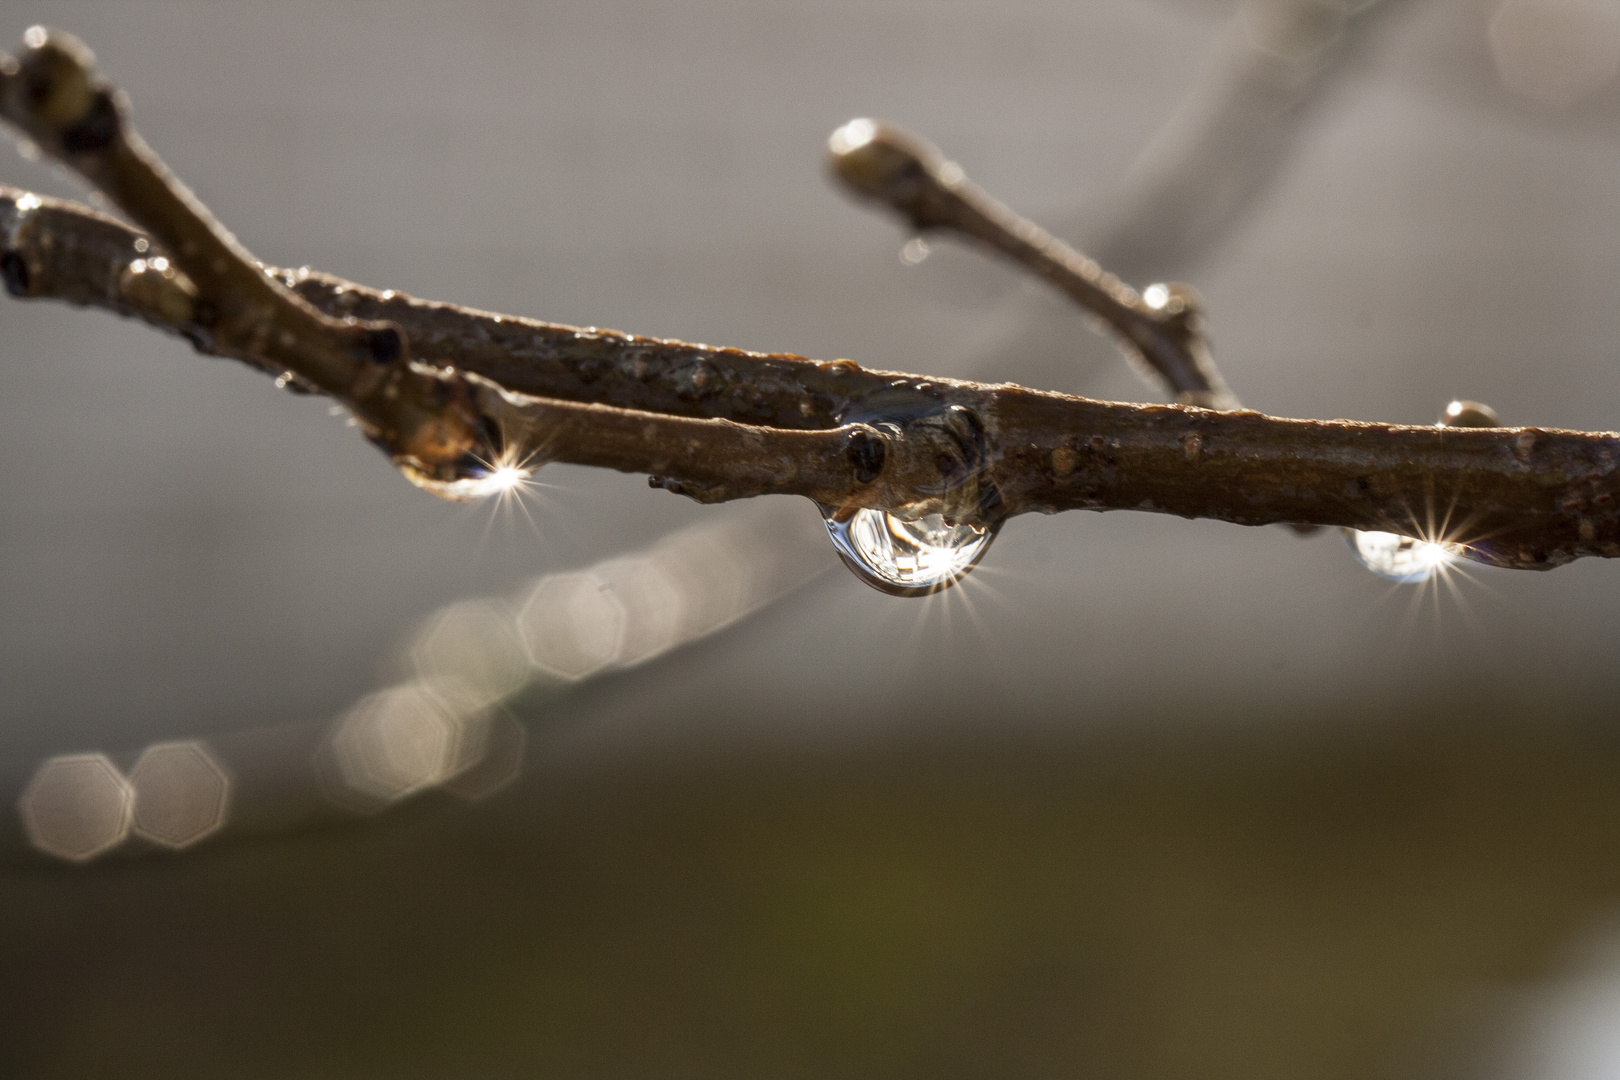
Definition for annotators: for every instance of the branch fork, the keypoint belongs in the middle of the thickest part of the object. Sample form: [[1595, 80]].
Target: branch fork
[[463, 400]]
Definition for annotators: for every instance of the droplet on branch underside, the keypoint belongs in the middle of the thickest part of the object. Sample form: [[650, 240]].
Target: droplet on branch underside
[[906, 558], [473, 478], [1409, 560], [1402, 559]]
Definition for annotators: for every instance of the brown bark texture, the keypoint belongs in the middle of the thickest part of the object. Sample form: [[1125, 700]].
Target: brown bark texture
[[445, 390]]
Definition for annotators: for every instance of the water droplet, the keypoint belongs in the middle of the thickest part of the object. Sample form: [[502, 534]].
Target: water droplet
[[906, 558], [852, 136], [1406, 559], [472, 478], [1402, 559], [1468, 414], [915, 251]]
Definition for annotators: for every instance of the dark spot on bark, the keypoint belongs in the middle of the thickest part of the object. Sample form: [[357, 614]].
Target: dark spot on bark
[[866, 452], [97, 130], [387, 345], [15, 271], [492, 434]]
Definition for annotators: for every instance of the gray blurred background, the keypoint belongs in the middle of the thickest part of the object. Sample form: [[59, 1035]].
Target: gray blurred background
[[1144, 797]]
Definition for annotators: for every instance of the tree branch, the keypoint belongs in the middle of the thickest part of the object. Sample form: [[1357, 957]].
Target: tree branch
[[1162, 329], [437, 385], [422, 417]]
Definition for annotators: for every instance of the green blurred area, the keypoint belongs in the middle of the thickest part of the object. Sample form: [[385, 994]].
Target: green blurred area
[[1250, 905]]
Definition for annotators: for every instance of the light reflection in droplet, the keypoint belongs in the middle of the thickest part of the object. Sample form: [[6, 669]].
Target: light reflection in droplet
[[852, 136], [1469, 414], [915, 251], [906, 558], [1402, 559], [473, 481], [1411, 560]]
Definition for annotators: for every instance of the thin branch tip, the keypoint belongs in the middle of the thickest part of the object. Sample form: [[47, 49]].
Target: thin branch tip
[[1160, 328]]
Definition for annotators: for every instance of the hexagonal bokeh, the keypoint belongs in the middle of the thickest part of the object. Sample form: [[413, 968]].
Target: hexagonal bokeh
[[76, 807], [654, 604], [572, 624], [471, 654], [181, 794], [399, 741], [500, 764]]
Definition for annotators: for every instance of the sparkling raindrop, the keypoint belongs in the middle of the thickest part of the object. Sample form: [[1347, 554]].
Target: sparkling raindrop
[[1406, 559], [852, 136], [474, 478], [906, 558], [1402, 559]]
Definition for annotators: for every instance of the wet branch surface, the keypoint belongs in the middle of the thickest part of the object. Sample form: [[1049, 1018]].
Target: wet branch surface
[[446, 390], [1164, 334]]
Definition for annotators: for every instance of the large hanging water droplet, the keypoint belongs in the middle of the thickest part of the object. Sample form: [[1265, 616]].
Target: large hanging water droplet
[[1403, 559], [472, 478], [906, 558], [915, 251]]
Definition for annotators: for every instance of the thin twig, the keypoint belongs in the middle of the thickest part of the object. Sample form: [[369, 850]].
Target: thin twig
[[422, 417], [1163, 329], [1272, 67], [1520, 497], [725, 424]]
